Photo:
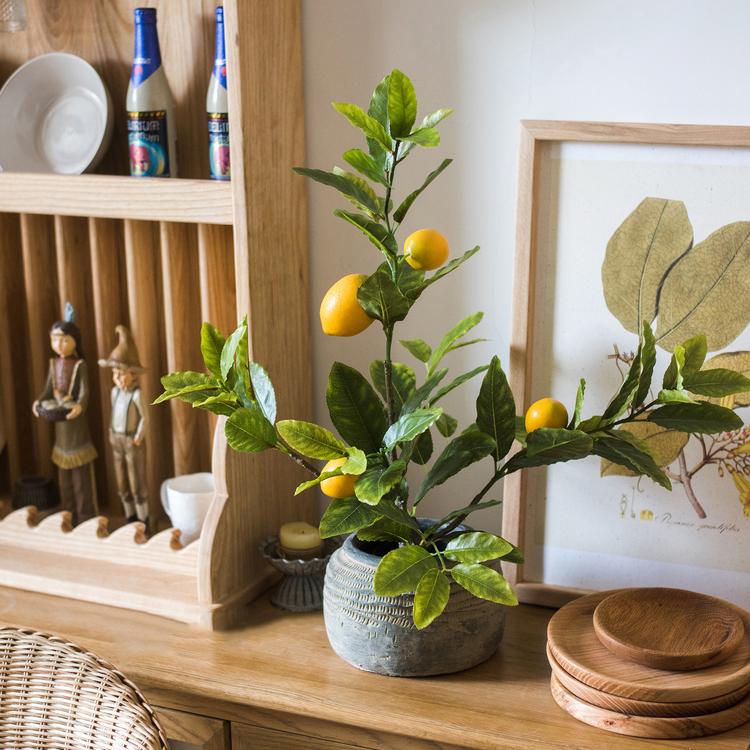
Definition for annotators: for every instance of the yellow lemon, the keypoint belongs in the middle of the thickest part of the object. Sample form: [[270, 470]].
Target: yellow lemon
[[340, 311], [547, 412], [426, 249], [339, 487]]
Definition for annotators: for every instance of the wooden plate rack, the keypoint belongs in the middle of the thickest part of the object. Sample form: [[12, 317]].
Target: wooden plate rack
[[160, 256]]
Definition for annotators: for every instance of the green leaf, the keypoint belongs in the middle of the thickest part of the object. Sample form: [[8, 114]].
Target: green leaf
[[466, 510], [421, 394], [664, 446], [344, 185], [212, 342], [378, 481], [458, 331], [484, 583], [624, 397], [406, 204], [422, 449], [371, 127], [409, 425], [311, 440], [264, 392], [435, 117], [623, 448], [222, 403], [248, 431], [231, 345], [496, 409], [577, 412], [696, 349], [417, 348], [410, 282], [376, 233], [381, 299], [187, 386], [365, 164], [400, 570], [461, 344], [514, 556], [716, 382], [648, 362], [639, 255], [378, 110], [355, 409], [402, 104], [446, 425], [431, 597], [465, 449], [456, 382], [547, 446], [673, 374], [388, 509], [363, 185], [441, 272], [702, 418], [674, 396], [705, 290], [385, 529], [426, 137], [476, 546], [404, 381], [345, 517]]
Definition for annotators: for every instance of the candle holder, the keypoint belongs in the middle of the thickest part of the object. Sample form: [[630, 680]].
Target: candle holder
[[301, 590]]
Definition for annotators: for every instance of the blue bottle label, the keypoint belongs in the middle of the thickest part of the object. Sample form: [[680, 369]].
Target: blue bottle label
[[147, 56], [148, 144], [220, 59], [218, 146]]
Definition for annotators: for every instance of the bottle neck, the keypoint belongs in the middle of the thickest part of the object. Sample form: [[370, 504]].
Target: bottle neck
[[220, 58], [146, 56]]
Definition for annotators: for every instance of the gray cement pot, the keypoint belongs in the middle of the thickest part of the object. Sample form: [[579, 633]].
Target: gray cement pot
[[377, 634]]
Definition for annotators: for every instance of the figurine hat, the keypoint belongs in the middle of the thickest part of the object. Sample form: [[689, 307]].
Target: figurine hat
[[125, 355]]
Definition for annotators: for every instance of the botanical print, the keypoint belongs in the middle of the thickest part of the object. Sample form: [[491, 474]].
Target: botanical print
[[653, 271], [589, 523]]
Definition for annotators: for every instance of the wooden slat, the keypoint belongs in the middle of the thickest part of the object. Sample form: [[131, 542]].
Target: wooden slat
[[75, 286], [15, 379], [195, 731], [146, 314], [110, 309], [42, 303], [105, 196], [179, 258]]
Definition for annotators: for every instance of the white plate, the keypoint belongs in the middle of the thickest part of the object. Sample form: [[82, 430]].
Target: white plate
[[55, 116]]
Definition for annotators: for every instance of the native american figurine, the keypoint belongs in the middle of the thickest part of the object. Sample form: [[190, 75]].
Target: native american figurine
[[64, 401], [127, 427]]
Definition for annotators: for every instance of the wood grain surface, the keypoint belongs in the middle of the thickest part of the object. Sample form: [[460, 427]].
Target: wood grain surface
[[277, 671], [668, 628], [579, 652], [650, 726], [643, 708]]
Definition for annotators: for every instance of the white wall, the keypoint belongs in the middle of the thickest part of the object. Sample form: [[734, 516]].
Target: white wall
[[495, 62]]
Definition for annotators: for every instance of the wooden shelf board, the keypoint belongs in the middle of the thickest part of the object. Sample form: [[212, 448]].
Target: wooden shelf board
[[114, 197]]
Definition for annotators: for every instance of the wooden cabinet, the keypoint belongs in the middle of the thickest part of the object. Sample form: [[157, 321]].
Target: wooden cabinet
[[187, 731]]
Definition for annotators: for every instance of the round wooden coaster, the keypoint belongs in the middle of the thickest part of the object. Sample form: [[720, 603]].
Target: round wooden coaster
[[650, 726], [643, 708], [668, 628], [579, 652]]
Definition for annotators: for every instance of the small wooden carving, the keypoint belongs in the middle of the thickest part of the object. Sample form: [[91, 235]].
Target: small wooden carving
[[64, 401]]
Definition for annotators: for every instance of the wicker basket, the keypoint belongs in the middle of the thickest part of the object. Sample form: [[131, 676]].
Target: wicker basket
[[56, 696]]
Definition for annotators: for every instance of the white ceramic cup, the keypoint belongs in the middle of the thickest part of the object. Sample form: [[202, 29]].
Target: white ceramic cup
[[186, 500]]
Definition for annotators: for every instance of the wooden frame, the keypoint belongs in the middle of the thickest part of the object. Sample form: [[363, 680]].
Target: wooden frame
[[535, 136], [160, 255]]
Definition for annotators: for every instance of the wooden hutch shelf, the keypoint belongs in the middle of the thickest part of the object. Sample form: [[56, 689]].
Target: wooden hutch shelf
[[160, 256], [117, 197]]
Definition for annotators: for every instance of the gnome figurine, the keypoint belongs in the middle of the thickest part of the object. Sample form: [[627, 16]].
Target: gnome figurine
[[127, 427], [64, 401]]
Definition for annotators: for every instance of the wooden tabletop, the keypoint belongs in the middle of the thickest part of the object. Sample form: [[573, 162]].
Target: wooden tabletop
[[280, 665]]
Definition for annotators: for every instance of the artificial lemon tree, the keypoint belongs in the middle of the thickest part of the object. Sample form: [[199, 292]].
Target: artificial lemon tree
[[388, 421]]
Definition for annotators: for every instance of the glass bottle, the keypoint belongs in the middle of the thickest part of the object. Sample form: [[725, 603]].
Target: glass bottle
[[216, 108], [152, 133]]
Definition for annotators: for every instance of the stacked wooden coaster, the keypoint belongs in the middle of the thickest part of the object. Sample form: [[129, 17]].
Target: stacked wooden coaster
[[658, 663]]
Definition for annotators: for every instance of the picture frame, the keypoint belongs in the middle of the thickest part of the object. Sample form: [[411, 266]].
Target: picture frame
[[536, 139]]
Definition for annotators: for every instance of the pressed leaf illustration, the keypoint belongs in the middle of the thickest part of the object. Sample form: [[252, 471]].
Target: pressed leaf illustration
[[708, 291], [638, 255]]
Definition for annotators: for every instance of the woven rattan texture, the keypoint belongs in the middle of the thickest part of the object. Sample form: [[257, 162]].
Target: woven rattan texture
[[56, 696]]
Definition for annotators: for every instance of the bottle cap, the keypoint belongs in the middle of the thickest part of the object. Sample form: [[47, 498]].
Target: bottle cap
[[145, 15]]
